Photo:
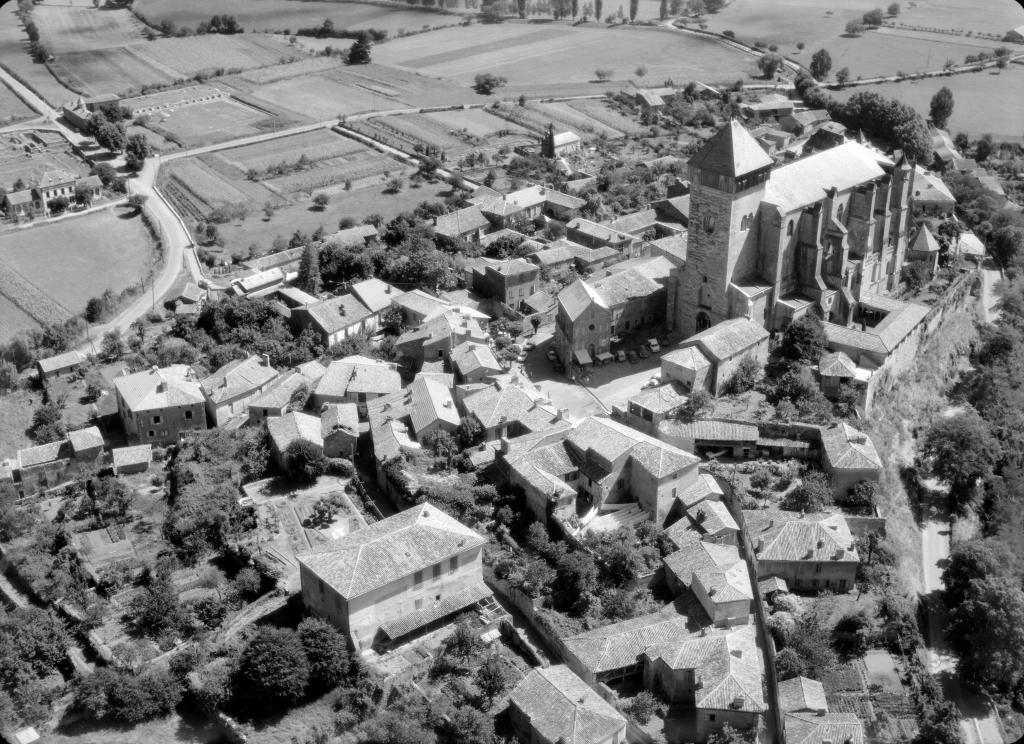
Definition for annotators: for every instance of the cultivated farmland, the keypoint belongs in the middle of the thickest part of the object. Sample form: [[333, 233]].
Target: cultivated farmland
[[12, 108], [207, 123], [529, 54], [63, 30], [15, 57], [277, 15], [49, 271]]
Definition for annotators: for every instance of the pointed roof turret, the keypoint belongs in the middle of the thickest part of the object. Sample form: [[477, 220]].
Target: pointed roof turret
[[731, 152], [925, 242]]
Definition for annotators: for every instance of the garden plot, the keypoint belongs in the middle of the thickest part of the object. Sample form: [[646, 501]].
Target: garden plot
[[196, 189], [475, 122], [575, 119], [319, 145], [65, 29], [599, 110], [336, 173]]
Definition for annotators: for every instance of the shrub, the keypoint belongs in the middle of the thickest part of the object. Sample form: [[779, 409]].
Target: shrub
[[642, 706], [304, 461], [273, 670]]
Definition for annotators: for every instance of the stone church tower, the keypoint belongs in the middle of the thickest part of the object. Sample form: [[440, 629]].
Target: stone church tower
[[727, 177]]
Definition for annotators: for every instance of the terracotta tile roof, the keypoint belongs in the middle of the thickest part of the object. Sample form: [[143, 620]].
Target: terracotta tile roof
[[634, 222], [461, 221], [579, 296], [396, 547], [294, 425], [623, 287], [431, 401], [343, 416], [60, 361], [929, 188], [791, 536], [469, 357], [704, 487], [126, 456], [53, 178], [717, 567], [237, 378], [504, 402], [805, 181], [801, 693], [661, 399], [846, 448], [375, 294], [352, 236], [689, 358], [728, 664], [155, 389], [729, 338], [85, 439], [553, 255], [44, 453], [281, 393], [421, 303], [337, 313], [561, 707], [610, 439], [449, 605], [732, 151], [712, 430], [597, 231], [924, 241], [837, 728], [837, 364], [357, 374]]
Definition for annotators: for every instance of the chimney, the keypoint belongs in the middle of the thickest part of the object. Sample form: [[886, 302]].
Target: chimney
[[448, 404], [760, 545], [264, 360], [387, 289], [161, 387], [737, 703]]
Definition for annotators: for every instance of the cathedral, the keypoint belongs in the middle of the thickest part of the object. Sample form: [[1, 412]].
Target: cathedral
[[829, 230]]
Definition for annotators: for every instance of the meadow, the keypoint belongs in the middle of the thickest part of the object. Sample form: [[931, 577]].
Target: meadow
[[12, 108], [984, 102], [14, 56], [67, 262], [537, 54], [278, 15], [75, 29]]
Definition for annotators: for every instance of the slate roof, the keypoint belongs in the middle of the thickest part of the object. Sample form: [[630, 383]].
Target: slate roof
[[727, 663], [156, 389], [123, 457], [85, 439], [294, 425], [805, 181], [460, 222], [388, 550], [237, 378], [846, 448], [561, 707], [801, 693], [469, 357], [356, 374], [579, 296], [729, 338], [431, 401], [790, 536], [732, 151]]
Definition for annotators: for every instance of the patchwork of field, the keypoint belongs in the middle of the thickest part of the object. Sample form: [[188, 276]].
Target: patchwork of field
[[984, 102], [786, 22], [277, 15], [322, 93], [539, 54], [48, 272], [198, 185], [207, 123], [23, 156], [76, 29], [14, 55], [123, 70]]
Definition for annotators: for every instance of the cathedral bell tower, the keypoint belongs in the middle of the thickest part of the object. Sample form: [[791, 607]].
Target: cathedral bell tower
[[727, 184]]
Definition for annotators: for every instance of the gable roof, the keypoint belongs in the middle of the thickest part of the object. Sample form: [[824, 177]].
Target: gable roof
[[561, 707], [805, 181], [579, 296], [139, 454], [60, 361], [690, 357], [837, 728], [85, 439], [237, 378], [846, 448], [460, 222], [837, 364], [431, 401], [930, 188], [390, 549], [621, 644], [732, 151], [610, 439], [714, 430], [155, 389], [339, 416], [622, 286], [725, 340], [792, 536], [353, 236], [357, 374], [421, 303], [502, 402], [375, 294], [292, 426], [337, 313], [718, 567], [469, 357], [801, 693]]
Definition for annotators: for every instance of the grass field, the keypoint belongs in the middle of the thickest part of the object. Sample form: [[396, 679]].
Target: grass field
[[277, 15], [12, 108], [125, 69], [14, 55], [208, 123], [984, 102], [77, 258], [786, 22], [63, 29], [531, 54]]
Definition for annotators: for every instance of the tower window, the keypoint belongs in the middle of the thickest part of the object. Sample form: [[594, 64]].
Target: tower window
[[789, 228], [839, 212], [709, 223]]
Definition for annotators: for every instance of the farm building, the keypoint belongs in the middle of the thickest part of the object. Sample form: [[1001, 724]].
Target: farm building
[[339, 428], [59, 364], [49, 464], [171, 99], [473, 361], [289, 428], [357, 379], [135, 459], [723, 346], [157, 405], [554, 706], [229, 389]]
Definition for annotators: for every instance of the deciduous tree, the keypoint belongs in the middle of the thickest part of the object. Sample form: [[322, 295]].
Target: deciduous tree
[[821, 64], [941, 107]]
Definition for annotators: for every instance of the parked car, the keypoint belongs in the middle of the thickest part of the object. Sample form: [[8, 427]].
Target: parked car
[[522, 357], [552, 356], [620, 356], [632, 357], [655, 346], [529, 346], [654, 381], [642, 351]]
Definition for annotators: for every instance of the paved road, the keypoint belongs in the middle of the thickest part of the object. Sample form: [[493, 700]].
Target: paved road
[[28, 95]]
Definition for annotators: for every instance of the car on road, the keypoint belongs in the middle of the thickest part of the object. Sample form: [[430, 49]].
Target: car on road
[[529, 346], [620, 356], [655, 346], [552, 356], [632, 357], [642, 352]]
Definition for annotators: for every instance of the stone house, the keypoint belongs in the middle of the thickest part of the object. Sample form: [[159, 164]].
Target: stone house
[[156, 406], [339, 429], [723, 346], [290, 427], [229, 390], [356, 379], [551, 705]]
